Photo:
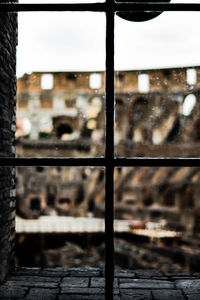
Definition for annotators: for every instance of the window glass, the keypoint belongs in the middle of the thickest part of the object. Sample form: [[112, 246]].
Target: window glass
[[157, 219], [61, 85], [60, 217], [156, 86]]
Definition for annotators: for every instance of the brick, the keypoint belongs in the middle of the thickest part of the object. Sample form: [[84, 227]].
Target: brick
[[35, 279], [88, 272], [33, 284], [81, 297], [145, 284], [136, 294], [100, 282], [85, 297], [82, 291], [124, 273], [167, 294], [41, 294], [12, 291], [85, 291], [26, 271], [196, 274], [182, 277], [178, 274], [147, 273], [75, 282], [193, 296], [189, 285], [57, 272]]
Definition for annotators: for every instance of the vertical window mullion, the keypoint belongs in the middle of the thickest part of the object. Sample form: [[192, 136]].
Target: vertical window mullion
[[109, 153]]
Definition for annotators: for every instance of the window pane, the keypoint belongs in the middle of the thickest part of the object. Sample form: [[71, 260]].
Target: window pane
[[157, 219], [60, 217], [61, 85], [157, 86]]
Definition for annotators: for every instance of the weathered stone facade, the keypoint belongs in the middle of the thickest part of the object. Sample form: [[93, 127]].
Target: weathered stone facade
[[62, 113], [154, 108], [8, 41], [150, 120]]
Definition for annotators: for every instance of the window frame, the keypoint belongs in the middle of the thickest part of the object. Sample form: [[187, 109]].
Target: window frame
[[109, 162]]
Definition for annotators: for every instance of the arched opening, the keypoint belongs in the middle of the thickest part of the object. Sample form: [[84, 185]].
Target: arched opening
[[138, 108], [130, 201], [168, 196], [101, 176], [119, 109], [188, 104], [63, 201], [91, 205], [188, 197], [119, 102], [51, 195], [35, 204], [40, 169], [148, 200], [63, 129], [51, 200]]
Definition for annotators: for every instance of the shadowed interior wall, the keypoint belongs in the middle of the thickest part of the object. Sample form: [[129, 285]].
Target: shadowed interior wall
[[8, 42]]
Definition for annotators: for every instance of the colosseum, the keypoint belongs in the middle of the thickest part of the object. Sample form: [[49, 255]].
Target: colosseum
[[61, 114]]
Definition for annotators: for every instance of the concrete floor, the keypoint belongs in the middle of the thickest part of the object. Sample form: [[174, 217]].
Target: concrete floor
[[88, 283]]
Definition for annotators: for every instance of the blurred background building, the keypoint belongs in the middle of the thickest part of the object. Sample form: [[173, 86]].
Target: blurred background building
[[61, 114]]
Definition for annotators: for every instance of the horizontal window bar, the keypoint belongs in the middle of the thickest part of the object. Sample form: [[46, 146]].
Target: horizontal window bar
[[76, 162], [100, 162], [14, 7], [139, 6], [100, 7], [162, 162]]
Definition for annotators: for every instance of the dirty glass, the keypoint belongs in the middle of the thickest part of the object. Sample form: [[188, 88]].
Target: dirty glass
[[157, 219], [60, 85], [60, 217], [157, 77]]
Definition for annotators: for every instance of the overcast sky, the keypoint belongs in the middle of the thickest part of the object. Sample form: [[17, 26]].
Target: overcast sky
[[76, 41]]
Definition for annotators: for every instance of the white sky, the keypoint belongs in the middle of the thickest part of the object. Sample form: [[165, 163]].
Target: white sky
[[76, 41]]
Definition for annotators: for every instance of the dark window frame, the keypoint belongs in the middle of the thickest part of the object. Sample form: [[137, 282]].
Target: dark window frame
[[109, 161]]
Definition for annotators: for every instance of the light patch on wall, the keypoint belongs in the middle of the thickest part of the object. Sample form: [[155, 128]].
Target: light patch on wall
[[95, 81], [188, 104], [191, 76], [91, 124], [157, 137], [143, 83], [26, 125], [47, 81], [46, 124]]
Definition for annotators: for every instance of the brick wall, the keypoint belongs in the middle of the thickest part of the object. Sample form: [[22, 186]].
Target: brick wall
[[8, 40]]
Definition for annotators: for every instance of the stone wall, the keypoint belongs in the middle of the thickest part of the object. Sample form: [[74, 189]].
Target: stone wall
[[8, 41]]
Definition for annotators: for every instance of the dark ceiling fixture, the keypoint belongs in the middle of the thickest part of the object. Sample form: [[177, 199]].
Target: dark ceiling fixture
[[138, 16]]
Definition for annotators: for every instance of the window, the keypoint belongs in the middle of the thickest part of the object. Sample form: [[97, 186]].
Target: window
[[46, 81], [188, 104], [143, 83], [109, 161], [191, 76], [95, 81]]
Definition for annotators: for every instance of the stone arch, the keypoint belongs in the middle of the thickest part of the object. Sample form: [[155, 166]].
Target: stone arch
[[64, 126]]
